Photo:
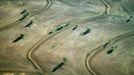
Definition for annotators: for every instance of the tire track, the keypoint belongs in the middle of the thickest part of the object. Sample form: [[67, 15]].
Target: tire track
[[107, 9], [35, 46], [106, 13], [89, 57], [48, 5], [40, 8]]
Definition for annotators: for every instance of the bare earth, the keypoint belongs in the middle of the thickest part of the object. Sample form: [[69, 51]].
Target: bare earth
[[66, 37]]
